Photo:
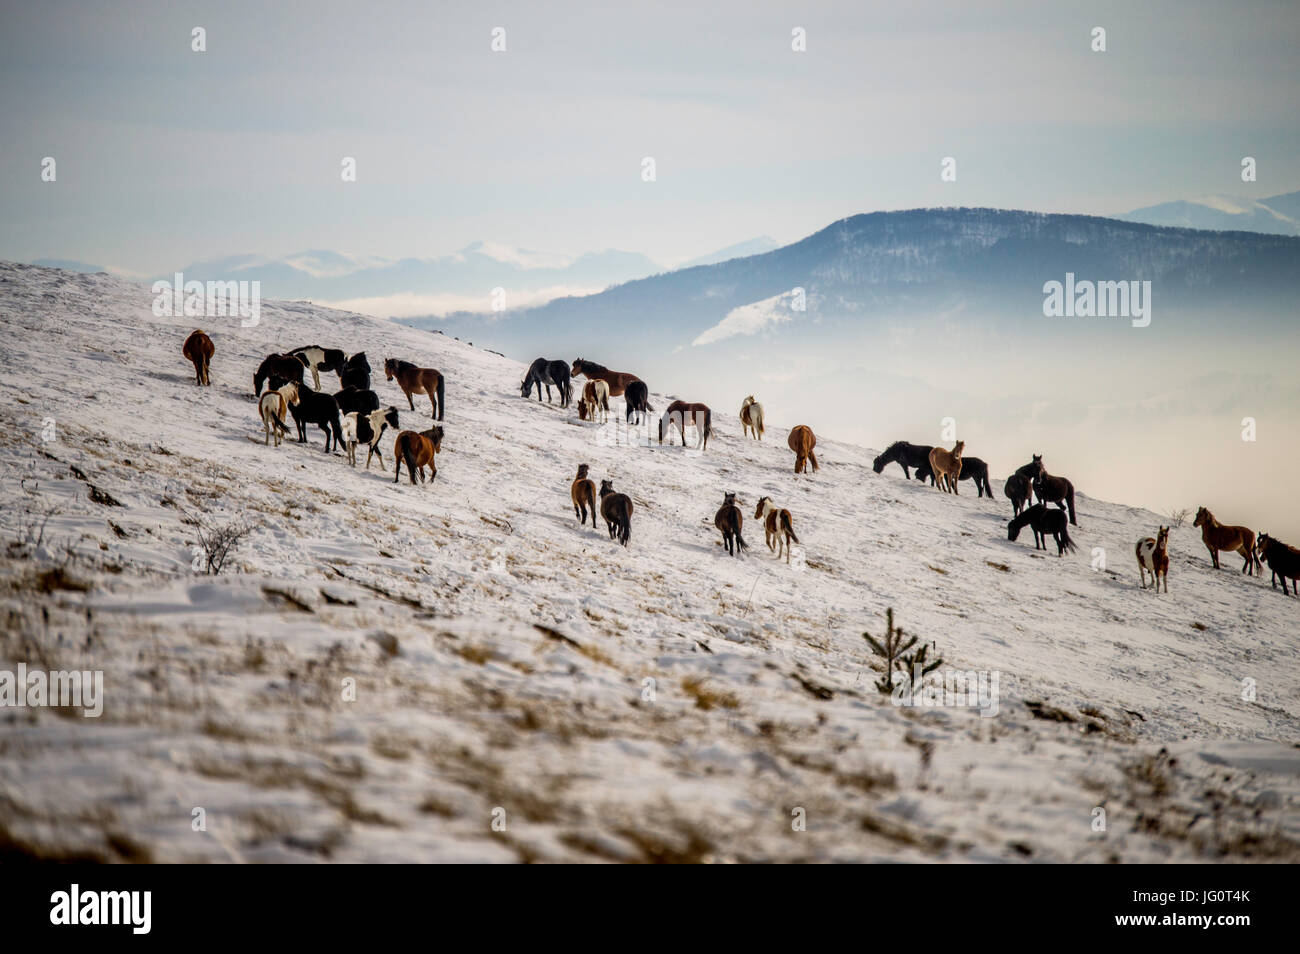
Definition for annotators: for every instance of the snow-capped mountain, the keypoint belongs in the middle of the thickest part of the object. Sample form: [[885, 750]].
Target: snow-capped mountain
[[459, 671], [1275, 215]]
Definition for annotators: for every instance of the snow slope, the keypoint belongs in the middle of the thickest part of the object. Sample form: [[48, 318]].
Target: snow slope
[[526, 690]]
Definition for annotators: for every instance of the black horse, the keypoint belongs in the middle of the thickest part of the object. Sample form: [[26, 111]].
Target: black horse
[[1020, 491], [972, 468], [905, 455], [543, 371], [357, 399], [313, 407], [1030, 472], [281, 368], [637, 399], [1057, 490], [1043, 520], [356, 373]]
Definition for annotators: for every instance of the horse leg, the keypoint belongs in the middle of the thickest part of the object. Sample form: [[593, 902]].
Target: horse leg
[[433, 406], [1214, 555]]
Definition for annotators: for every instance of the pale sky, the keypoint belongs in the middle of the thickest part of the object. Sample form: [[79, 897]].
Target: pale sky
[[166, 156]]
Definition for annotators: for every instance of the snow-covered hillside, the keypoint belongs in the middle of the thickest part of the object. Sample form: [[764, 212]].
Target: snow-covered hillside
[[525, 689]]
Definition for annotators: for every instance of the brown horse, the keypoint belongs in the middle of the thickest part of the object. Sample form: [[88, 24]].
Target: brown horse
[[802, 441], [198, 348], [1153, 554], [413, 380], [583, 493], [729, 521], [417, 450], [777, 525], [594, 404], [751, 418], [1218, 537], [678, 413], [616, 508], [617, 380], [945, 466]]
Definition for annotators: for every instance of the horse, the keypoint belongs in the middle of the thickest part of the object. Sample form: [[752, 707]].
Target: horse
[[617, 380], [417, 449], [1153, 554], [616, 508], [905, 455], [318, 359], [273, 406], [635, 400], [1030, 472], [729, 520], [594, 401], [359, 428], [1057, 490], [356, 372], [413, 380], [1217, 536], [751, 418], [356, 400], [972, 468], [946, 465], [778, 526], [543, 371], [679, 412], [583, 493], [1283, 561], [1043, 520], [802, 441], [313, 407], [1020, 491], [198, 349], [284, 366]]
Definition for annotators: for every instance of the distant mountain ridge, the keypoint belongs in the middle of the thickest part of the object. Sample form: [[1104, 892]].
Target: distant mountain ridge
[[1276, 215]]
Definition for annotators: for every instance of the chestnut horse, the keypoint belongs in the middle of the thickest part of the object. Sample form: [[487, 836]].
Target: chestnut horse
[[417, 450], [945, 465], [700, 417], [413, 380], [198, 348], [802, 441], [751, 418], [1217, 536], [583, 493], [617, 380]]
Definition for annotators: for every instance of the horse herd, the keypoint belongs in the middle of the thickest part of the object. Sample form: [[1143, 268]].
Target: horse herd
[[352, 417]]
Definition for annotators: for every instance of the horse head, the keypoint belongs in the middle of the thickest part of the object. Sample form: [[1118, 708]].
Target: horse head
[[1013, 530], [878, 464], [390, 369], [761, 502], [577, 367], [606, 487], [524, 387], [1202, 516]]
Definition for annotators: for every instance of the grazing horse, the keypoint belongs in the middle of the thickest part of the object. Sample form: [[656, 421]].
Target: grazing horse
[[1043, 520], [777, 525], [802, 441], [318, 359], [729, 520], [543, 371], [198, 349], [284, 366], [905, 455], [1153, 554], [678, 413], [1057, 490], [359, 428], [417, 449], [1218, 536], [1283, 561], [946, 465], [413, 380], [594, 402], [358, 400], [617, 380], [1020, 491], [274, 407], [636, 400], [751, 418], [616, 508], [356, 372], [313, 407], [583, 493]]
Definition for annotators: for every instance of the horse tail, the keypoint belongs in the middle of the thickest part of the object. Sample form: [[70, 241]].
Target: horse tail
[[1065, 538], [787, 527], [758, 415], [442, 391], [1069, 499], [708, 422], [409, 456], [813, 459]]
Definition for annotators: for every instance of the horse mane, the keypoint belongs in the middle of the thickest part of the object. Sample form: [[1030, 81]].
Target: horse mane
[[897, 445]]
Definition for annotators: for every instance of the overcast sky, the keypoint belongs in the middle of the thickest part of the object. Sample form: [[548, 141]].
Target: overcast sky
[[167, 156]]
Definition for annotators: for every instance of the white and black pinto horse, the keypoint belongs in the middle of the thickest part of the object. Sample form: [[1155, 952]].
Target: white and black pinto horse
[[320, 359], [367, 429]]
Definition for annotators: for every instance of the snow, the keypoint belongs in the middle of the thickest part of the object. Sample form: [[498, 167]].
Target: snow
[[500, 653]]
